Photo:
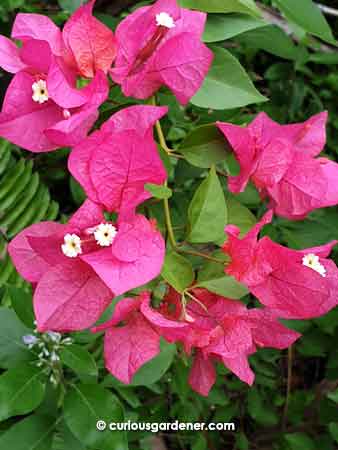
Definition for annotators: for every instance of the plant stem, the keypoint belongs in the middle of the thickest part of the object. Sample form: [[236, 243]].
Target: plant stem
[[159, 131], [288, 388], [202, 255], [169, 226], [168, 222]]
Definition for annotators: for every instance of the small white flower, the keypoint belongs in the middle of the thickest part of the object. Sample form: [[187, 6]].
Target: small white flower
[[165, 20], [40, 92], [56, 337], [30, 340], [71, 246], [54, 357], [311, 260], [105, 234]]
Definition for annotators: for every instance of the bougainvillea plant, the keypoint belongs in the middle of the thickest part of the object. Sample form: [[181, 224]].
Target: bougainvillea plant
[[127, 271]]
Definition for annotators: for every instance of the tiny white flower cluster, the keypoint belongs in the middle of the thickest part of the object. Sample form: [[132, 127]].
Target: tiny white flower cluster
[[40, 92], [311, 260], [165, 20], [48, 345], [104, 235]]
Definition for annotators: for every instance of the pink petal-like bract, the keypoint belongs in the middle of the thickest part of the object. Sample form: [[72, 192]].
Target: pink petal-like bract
[[218, 330], [91, 43], [151, 55], [10, 56], [135, 257], [28, 262], [114, 163], [280, 161], [65, 115], [130, 346], [278, 277], [38, 27], [70, 297], [202, 374]]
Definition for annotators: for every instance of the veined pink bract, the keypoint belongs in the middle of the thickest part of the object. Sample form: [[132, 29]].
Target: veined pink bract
[[161, 45]]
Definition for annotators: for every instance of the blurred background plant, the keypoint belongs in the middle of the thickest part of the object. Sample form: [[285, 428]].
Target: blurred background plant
[[288, 50]]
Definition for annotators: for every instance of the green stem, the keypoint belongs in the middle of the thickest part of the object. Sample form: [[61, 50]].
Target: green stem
[[159, 131], [169, 224], [288, 389], [200, 254]]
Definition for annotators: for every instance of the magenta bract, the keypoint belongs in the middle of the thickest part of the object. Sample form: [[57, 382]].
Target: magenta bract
[[152, 52], [273, 156], [218, 330], [295, 284], [43, 108], [72, 291], [130, 346], [114, 163]]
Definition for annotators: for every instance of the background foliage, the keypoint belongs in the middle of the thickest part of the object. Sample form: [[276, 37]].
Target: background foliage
[[280, 57]]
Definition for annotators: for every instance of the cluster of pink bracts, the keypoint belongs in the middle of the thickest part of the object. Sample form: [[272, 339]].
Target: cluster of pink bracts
[[77, 268]]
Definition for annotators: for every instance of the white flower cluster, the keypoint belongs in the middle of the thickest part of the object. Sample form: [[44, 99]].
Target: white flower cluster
[[104, 235], [48, 346]]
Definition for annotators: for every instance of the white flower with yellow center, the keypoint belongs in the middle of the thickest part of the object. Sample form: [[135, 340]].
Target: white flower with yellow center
[[71, 246], [40, 93], [163, 19], [104, 234], [311, 260]]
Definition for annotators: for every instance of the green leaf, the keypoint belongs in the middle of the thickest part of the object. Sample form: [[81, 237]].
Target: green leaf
[[158, 191], [66, 440], [272, 39], [227, 85], [226, 286], [204, 146], [333, 428], [177, 271], [319, 228], [23, 305], [240, 216], [70, 5], [212, 277], [77, 192], [242, 442], [333, 396], [79, 359], [12, 348], [21, 391], [260, 410], [308, 16], [207, 213], [153, 370], [33, 433], [222, 6], [84, 406], [299, 441], [220, 27]]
